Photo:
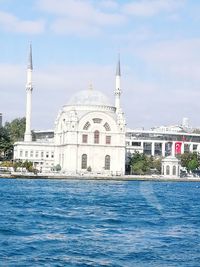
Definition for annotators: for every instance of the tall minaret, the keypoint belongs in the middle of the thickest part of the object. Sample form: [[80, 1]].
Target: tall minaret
[[118, 86], [29, 89]]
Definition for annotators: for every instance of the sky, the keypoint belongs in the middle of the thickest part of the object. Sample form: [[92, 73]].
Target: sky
[[76, 43]]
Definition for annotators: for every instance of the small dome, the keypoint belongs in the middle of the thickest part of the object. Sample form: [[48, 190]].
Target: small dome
[[89, 97]]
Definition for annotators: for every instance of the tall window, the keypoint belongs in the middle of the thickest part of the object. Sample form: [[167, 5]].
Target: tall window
[[108, 139], [167, 170], [107, 162], [84, 161], [84, 138], [174, 170], [96, 137]]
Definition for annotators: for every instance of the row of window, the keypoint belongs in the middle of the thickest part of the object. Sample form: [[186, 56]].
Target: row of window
[[96, 120], [96, 138], [84, 163], [36, 154], [168, 170]]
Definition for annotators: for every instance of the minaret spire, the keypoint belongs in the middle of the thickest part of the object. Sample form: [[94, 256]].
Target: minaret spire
[[30, 61], [118, 69], [118, 86], [29, 89]]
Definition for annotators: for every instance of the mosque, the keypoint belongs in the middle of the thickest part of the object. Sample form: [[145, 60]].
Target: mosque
[[89, 134]]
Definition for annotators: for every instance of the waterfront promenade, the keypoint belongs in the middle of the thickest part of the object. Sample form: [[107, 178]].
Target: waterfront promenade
[[160, 178]]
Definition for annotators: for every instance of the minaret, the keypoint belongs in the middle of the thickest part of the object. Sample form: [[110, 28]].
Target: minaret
[[118, 86], [29, 89]]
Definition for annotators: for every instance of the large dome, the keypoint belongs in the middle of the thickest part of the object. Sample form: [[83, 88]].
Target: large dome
[[89, 97]]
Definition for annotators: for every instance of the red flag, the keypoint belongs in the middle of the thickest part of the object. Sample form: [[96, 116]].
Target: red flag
[[178, 147]]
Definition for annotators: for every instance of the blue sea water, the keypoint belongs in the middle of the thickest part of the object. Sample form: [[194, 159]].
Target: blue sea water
[[99, 223]]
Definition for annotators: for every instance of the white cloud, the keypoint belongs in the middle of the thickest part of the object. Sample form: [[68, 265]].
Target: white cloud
[[12, 82], [145, 103], [54, 84], [83, 11], [148, 8], [79, 17], [109, 4], [179, 58], [9, 22], [74, 27]]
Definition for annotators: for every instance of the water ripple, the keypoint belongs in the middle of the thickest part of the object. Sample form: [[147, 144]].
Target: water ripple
[[88, 223]]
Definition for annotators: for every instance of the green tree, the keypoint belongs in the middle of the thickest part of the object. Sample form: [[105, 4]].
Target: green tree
[[193, 165], [12, 131], [157, 164], [16, 129], [6, 147], [140, 163], [143, 164], [17, 164], [190, 161], [58, 168], [28, 165], [139, 168]]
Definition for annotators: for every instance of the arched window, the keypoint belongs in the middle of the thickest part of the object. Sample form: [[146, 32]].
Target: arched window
[[107, 162], [174, 170], [107, 126], [96, 137], [86, 126], [167, 170], [84, 161]]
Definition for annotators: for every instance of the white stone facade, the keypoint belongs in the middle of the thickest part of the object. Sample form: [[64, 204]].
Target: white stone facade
[[40, 153], [90, 131], [89, 135], [171, 167]]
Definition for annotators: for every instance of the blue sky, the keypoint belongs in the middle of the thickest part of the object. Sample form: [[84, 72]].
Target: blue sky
[[76, 42]]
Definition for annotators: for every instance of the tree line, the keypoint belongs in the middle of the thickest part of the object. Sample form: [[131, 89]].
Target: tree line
[[10, 133], [141, 164]]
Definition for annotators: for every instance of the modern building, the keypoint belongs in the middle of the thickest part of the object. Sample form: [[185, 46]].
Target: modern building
[[156, 142]]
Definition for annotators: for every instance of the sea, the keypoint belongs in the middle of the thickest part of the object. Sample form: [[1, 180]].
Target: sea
[[99, 223]]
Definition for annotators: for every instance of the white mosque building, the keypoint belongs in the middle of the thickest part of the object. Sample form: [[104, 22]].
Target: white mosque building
[[89, 134]]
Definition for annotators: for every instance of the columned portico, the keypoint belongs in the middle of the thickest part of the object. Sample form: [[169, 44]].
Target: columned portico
[[163, 149], [182, 148], [153, 149]]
